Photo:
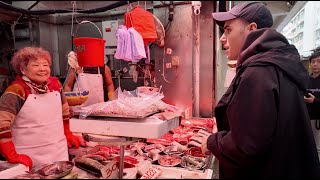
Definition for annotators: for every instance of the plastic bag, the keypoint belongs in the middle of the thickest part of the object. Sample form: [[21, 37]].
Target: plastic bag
[[130, 46], [127, 104], [143, 22]]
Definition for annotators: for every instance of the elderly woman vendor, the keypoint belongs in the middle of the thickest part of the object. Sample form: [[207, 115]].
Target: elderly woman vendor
[[34, 114]]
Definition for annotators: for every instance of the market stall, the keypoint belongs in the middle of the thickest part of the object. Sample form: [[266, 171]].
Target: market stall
[[135, 136], [163, 154], [161, 142], [147, 138]]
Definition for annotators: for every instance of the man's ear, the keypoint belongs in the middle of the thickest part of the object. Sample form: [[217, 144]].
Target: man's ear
[[252, 26]]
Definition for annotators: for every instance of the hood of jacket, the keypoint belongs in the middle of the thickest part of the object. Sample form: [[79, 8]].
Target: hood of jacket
[[265, 47]]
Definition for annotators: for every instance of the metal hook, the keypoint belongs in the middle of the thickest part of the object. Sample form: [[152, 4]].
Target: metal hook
[[129, 4]]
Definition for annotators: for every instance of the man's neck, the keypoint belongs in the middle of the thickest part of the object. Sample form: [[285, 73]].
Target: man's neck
[[314, 75]]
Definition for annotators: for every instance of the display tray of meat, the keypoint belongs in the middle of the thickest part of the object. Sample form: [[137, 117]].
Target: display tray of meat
[[192, 162], [169, 160], [184, 142], [173, 150], [54, 170], [208, 124]]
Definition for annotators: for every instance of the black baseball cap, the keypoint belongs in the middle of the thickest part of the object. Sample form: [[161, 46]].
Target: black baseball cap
[[250, 11]]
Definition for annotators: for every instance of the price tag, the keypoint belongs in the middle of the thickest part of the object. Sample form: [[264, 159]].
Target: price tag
[[110, 171], [152, 173]]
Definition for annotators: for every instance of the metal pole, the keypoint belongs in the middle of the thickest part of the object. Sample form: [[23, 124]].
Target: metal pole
[[196, 83], [31, 33], [121, 164]]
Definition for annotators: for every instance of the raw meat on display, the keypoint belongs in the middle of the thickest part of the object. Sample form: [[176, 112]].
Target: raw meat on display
[[195, 151], [89, 165], [155, 147], [167, 160], [192, 162]]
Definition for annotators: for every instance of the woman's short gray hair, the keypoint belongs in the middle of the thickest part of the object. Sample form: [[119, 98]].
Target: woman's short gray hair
[[22, 57]]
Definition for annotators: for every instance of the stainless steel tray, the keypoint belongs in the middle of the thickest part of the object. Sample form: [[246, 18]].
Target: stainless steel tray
[[6, 165], [117, 115], [68, 164]]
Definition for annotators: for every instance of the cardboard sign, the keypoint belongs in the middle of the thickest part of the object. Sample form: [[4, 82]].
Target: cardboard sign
[[110, 171], [152, 173]]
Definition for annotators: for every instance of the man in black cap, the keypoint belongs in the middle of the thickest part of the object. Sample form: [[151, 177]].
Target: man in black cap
[[312, 98], [263, 123]]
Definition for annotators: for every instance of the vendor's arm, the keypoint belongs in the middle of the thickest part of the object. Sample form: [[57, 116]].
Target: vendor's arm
[[252, 121], [70, 79], [71, 139], [10, 104], [109, 82]]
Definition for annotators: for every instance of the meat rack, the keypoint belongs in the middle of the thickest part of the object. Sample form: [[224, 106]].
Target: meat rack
[[121, 131]]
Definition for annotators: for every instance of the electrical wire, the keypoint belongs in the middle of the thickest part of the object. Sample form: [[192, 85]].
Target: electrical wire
[[9, 7], [72, 18], [163, 29], [164, 3], [167, 27], [74, 10]]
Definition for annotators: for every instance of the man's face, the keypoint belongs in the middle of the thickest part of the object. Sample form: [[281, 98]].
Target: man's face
[[315, 65], [235, 33]]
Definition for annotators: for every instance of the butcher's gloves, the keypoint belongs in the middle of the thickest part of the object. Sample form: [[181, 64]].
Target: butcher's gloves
[[71, 139], [8, 150], [110, 95]]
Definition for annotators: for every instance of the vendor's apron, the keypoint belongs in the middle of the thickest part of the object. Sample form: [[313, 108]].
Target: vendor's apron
[[38, 131], [92, 83], [315, 124]]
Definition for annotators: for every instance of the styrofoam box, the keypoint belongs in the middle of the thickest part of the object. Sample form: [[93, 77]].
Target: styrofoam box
[[181, 173], [11, 173], [150, 127]]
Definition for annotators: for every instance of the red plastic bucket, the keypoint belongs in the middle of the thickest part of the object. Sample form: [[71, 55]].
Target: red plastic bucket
[[90, 51]]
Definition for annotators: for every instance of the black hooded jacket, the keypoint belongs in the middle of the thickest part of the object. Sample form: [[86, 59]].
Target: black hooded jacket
[[263, 122]]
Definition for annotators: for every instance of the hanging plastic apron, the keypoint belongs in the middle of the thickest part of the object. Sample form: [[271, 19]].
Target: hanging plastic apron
[[92, 83], [38, 129]]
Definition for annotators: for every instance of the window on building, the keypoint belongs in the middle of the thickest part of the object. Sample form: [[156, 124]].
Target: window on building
[[303, 30]]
